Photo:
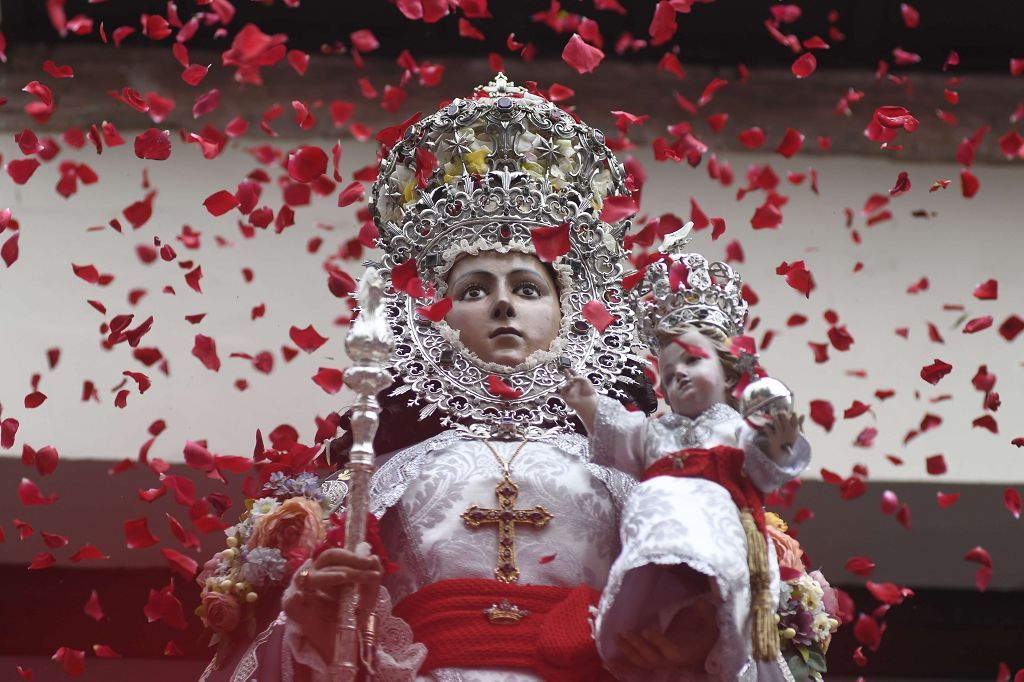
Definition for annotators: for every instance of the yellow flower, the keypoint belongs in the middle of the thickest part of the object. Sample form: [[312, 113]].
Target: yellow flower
[[773, 519], [407, 192], [534, 169], [476, 162]]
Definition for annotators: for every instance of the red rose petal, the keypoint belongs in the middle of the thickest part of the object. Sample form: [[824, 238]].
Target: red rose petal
[[968, 183], [41, 561], [329, 379], [888, 593], [163, 605], [979, 555], [867, 632], [71, 660], [220, 202], [306, 164], [153, 145], [92, 607], [499, 388], [105, 651], [791, 143], [597, 314], [28, 494], [581, 56], [934, 372], [797, 276], [752, 138], [987, 290], [860, 565], [890, 502], [977, 324], [205, 349], [137, 534], [9, 251], [946, 500], [307, 339], [551, 242], [663, 23], [804, 65], [767, 216], [351, 194], [436, 311], [1011, 327], [936, 465], [184, 565], [823, 414], [88, 552], [1012, 502], [617, 208], [21, 170]]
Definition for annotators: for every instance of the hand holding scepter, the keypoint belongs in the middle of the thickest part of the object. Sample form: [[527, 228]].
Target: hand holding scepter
[[369, 345]]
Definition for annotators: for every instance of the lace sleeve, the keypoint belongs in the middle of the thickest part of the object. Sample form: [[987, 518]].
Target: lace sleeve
[[618, 437], [766, 473], [398, 657]]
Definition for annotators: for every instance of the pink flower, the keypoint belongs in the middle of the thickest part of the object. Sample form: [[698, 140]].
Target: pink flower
[[296, 527], [830, 599], [221, 612], [787, 549], [208, 569]]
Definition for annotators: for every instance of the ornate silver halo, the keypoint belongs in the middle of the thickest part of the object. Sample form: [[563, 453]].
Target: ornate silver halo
[[505, 162]]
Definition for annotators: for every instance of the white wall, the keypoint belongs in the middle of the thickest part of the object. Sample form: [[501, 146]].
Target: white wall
[[43, 305]]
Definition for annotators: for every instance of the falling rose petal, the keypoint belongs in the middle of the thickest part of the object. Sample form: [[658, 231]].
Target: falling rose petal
[[936, 465], [21, 170], [9, 250], [547, 559], [986, 422], [823, 414], [184, 565], [29, 495], [663, 23], [163, 605], [977, 324], [902, 184], [979, 555], [797, 276], [92, 607], [804, 65], [597, 314], [205, 349], [767, 216], [617, 208], [791, 143], [41, 561], [351, 194], [138, 535], [72, 661], [307, 339], [888, 593], [581, 56], [105, 651], [47, 460], [552, 242], [306, 164], [1012, 502], [436, 311], [987, 290], [934, 372], [153, 145], [88, 553], [1011, 327], [890, 503], [8, 430], [860, 565], [968, 183], [329, 379], [220, 202], [502, 390], [946, 500], [752, 138], [982, 578]]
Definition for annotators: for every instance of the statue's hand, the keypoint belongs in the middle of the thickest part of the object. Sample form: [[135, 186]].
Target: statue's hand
[[315, 602], [781, 433], [581, 396], [685, 644]]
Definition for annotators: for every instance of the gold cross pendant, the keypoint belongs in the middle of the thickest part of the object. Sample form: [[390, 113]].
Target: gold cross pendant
[[506, 516]]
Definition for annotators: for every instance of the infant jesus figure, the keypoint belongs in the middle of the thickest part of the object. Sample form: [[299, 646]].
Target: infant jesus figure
[[694, 592]]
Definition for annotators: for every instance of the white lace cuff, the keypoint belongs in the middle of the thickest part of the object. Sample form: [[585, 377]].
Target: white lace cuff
[[766, 473]]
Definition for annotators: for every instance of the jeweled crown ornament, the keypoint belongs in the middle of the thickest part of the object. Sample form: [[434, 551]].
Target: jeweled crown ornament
[[689, 290], [479, 175]]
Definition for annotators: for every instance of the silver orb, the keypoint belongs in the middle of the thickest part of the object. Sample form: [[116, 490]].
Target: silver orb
[[764, 398]]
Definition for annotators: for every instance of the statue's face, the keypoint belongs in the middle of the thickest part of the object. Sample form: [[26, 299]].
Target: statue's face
[[504, 306], [691, 383]]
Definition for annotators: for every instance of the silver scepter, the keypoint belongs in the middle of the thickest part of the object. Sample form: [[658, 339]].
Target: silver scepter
[[369, 345]]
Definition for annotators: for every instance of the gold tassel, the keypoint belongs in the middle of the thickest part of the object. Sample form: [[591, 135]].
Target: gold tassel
[[765, 632]]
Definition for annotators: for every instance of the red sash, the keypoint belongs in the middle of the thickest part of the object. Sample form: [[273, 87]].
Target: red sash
[[554, 639], [721, 464]]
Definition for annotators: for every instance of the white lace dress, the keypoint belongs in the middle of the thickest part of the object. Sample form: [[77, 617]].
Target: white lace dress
[[668, 522]]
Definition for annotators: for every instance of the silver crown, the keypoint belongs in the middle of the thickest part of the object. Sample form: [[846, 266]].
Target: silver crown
[[708, 294], [507, 161]]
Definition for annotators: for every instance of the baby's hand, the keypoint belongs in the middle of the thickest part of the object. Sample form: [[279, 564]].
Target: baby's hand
[[581, 396], [782, 432]]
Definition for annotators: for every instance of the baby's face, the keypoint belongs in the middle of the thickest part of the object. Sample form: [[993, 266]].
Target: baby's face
[[690, 383]]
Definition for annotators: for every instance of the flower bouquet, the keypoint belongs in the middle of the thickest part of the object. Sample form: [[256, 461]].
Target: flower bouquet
[[279, 530], [808, 613]]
